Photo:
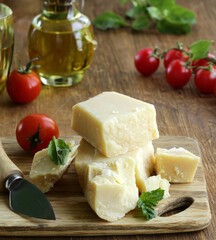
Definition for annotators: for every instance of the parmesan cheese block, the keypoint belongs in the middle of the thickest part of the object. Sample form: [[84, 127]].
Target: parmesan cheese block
[[177, 165], [115, 123], [45, 173], [155, 182], [144, 164], [108, 184]]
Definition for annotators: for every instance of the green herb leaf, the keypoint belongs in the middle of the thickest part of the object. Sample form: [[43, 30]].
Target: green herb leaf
[[58, 150], [180, 15], [136, 11], [200, 49], [162, 4], [155, 13], [138, 2], [165, 26], [148, 200], [109, 20], [148, 212], [123, 1], [153, 197], [140, 23]]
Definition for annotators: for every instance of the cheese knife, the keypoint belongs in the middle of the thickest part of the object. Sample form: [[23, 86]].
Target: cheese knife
[[24, 197]]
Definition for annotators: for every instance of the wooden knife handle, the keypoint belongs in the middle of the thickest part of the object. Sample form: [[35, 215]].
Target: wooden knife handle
[[7, 167]]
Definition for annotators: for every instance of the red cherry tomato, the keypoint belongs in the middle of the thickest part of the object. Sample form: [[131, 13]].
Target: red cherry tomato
[[205, 80], [35, 131], [23, 85], [174, 54], [177, 75], [144, 64], [201, 62]]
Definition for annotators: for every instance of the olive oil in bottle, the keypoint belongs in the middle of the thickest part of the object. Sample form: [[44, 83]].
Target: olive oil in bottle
[[5, 62], [63, 39], [6, 43]]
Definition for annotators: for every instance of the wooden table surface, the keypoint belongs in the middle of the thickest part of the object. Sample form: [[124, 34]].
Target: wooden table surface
[[184, 112]]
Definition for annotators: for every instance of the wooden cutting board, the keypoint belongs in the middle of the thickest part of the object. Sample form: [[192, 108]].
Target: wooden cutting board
[[75, 217]]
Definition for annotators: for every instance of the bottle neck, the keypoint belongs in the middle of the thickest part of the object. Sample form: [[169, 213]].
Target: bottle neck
[[60, 9]]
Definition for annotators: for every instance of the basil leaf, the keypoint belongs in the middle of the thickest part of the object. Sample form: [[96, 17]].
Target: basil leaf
[[139, 203], [58, 150], [140, 23], [148, 200], [155, 13], [109, 20], [178, 14], [165, 26], [153, 197], [136, 11], [200, 49], [162, 4], [148, 212]]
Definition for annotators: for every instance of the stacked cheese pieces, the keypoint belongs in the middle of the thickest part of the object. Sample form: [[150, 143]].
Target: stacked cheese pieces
[[116, 154]]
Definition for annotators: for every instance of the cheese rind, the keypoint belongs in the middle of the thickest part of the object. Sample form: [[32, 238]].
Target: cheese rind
[[155, 182], [108, 183], [177, 165], [115, 123], [45, 173]]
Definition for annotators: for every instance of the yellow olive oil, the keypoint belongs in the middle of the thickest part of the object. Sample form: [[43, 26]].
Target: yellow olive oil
[[65, 47], [6, 43], [5, 61]]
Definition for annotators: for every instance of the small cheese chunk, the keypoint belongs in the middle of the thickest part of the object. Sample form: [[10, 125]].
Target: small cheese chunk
[[115, 123], [176, 164], [108, 183], [144, 164], [45, 173], [155, 182]]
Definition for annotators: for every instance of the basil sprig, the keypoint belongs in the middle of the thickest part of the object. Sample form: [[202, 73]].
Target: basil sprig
[[168, 17], [148, 200]]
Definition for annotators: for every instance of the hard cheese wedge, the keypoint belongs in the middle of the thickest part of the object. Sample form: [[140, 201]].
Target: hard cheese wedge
[[155, 182], [144, 157], [109, 184], [45, 173], [176, 164], [115, 123]]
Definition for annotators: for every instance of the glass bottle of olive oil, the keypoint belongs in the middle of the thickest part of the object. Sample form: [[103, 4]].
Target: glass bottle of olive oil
[[63, 39]]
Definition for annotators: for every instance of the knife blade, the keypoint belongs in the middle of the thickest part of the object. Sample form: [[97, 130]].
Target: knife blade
[[24, 197]]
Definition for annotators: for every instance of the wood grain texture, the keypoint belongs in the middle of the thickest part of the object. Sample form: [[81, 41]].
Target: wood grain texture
[[179, 112], [74, 216]]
